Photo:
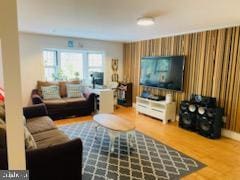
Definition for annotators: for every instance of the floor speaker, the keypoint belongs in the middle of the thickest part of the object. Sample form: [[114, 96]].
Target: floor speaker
[[187, 115], [209, 122]]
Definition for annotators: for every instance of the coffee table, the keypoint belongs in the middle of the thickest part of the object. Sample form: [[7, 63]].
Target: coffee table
[[115, 125]]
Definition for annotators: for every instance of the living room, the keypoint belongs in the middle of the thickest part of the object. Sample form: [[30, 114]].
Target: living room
[[119, 90]]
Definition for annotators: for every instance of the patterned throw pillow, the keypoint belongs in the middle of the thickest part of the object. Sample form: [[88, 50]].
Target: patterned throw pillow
[[3, 144], [2, 121], [50, 92], [2, 111], [24, 121], [29, 141], [74, 90]]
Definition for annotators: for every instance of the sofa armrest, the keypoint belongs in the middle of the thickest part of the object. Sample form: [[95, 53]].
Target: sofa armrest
[[36, 98], [63, 161], [35, 111], [88, 95]]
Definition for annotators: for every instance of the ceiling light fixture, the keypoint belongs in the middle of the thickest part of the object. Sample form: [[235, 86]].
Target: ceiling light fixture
[[145, 21]]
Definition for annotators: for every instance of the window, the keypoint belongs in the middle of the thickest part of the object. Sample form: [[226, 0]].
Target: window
[[72, 65], [67, 65], [95, 62], [50, 63]]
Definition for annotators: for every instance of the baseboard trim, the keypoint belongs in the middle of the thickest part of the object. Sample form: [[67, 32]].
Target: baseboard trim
[[231, 134]]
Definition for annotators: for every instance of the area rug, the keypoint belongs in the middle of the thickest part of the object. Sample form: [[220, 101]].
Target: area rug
[[148, 159]]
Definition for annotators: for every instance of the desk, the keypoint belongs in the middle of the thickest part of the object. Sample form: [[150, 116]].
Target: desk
[[104, 100]]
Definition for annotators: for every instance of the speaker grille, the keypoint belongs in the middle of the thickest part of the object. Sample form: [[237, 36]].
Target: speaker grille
[[205, 124], [192, 108]]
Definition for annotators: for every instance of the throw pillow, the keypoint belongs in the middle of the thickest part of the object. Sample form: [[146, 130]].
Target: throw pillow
[[3, 143], [24, 121], [41, 84], [29, 140], [74, 90], [2, 111], [2, 121], [63, 88], [50, 92]]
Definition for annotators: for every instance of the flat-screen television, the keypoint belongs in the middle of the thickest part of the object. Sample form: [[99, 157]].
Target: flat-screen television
[[166, 72], [98, 78]]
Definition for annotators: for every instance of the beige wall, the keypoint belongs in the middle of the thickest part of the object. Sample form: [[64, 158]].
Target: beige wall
[[32, 45]]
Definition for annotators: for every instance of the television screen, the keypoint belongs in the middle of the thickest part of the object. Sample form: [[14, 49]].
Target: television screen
[[98, 78], [163, 72]]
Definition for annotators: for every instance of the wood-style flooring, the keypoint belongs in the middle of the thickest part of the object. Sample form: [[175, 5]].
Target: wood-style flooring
[[222, 156]]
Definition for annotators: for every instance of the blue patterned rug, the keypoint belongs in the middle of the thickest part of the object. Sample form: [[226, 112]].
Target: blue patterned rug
[[148, 159]]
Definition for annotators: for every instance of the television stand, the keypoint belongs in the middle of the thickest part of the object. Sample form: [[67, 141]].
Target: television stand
[[157, 109]]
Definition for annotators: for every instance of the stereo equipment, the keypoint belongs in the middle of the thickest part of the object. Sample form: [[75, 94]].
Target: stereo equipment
[[145, 94], [203, 100], [187, 116], [209, 122], [156, 98], [202, 115], [148, 95]]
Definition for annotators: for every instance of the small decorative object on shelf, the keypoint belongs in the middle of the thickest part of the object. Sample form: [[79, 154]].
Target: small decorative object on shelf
[[125, 79], [125, 94], [70, 44], [169, 98]]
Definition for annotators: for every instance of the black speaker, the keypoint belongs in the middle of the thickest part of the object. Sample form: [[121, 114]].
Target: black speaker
[[209, 122], [187, 115], [203, 100]]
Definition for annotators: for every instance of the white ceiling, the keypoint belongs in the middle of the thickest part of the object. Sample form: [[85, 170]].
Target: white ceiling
[[115, 20]]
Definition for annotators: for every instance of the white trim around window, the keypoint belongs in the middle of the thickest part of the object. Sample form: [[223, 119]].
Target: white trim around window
[[85, 55]]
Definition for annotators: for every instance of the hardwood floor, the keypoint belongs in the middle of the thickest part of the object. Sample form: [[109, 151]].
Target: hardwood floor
[[222, 156]]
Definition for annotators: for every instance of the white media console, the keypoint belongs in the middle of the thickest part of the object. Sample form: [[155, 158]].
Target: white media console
[[159, 109]]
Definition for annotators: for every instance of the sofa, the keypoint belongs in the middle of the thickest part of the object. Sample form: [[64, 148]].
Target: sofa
[[64, 107], [56, 156]]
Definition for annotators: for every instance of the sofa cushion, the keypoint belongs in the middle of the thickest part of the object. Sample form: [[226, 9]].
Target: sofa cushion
[[74, 100], [40, 124], [50, 92], [53, 102], [49, 138], [41, 84], [63, 88], [29, 140]]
